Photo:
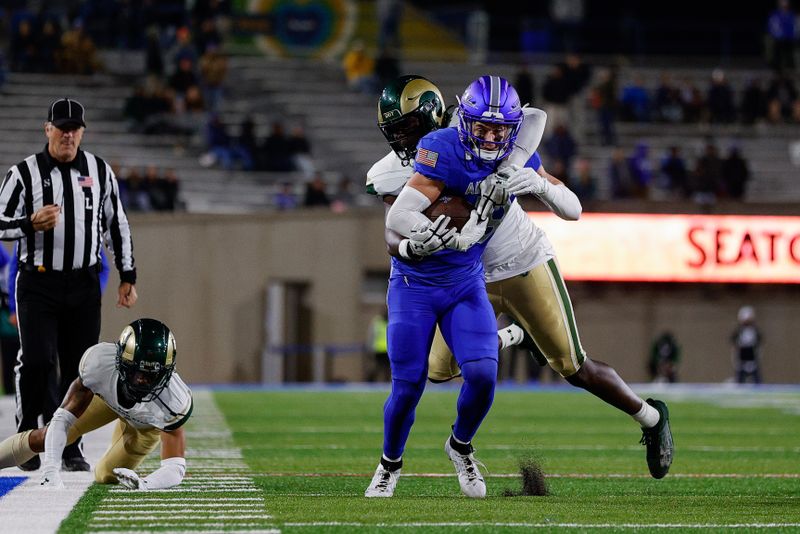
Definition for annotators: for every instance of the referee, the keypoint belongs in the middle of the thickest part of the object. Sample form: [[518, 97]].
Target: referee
[[58, 205]]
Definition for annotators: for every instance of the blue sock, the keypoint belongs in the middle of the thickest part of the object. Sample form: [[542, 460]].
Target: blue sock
[[475, 399], [398, 415]]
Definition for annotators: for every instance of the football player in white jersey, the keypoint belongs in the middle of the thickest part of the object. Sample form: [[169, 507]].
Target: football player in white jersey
[[522, 273], [133, 381]]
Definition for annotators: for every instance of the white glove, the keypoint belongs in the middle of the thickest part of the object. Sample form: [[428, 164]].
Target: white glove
[[129, 478], [51, 480], [471, 233], [493, 195], [425, 240], [524, 181]]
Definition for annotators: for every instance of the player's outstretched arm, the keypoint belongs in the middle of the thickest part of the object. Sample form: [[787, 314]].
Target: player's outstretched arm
[[549, 189], [75, 403], [171, 472]]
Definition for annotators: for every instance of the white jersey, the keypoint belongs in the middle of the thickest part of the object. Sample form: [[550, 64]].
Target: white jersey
[[388, 175], [517, 245], [172, 407]]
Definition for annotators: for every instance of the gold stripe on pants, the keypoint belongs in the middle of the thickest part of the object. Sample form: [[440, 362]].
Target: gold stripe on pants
[[539, 302]]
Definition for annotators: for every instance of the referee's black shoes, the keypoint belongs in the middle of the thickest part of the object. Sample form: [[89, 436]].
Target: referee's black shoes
[[31, 465], [76, 463]]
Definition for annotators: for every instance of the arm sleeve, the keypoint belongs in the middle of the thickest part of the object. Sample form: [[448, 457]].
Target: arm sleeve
[[529, 137], [561, 201], [118, 229], [56, 438], [406, 212], [14, 222], [169, 474]]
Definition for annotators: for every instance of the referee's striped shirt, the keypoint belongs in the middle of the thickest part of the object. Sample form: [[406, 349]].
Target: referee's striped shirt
[[88, 193]]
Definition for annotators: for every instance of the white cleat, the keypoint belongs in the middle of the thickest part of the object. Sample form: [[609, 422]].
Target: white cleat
[[383, 482], [469, 477]]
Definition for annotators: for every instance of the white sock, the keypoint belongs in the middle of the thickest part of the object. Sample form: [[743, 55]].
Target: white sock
[[390, 460], [510, 336], [458, 440], [647, 417]]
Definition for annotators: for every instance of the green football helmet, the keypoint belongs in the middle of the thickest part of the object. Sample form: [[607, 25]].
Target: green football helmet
[[409, 107], [145, 359]]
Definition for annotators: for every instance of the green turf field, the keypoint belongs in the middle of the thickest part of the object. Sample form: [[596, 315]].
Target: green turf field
[[307, 456]]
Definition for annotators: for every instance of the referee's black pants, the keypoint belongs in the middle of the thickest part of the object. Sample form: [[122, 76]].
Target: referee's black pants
[[58, 315]]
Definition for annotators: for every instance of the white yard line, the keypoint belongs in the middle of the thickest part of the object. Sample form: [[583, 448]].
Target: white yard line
[[614, 526], [214, 465], [52, 506]]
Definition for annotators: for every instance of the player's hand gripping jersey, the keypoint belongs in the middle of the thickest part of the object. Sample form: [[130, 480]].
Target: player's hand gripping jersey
[[167, 411]]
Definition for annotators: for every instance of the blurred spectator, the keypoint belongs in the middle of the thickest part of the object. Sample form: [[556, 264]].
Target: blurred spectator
[[619, 174], [300, 151], [184, 48], [183, 78], [3, 72], [641, 169], [525, 85], [346, 193], [754, 102], [154, 185], [707, 177], [576, 74], [359, 69], [247, 139], [746, 340], [315, 193], [561, 145], [78, 53], [781, 94], [23, 49], [664, 357], [604, 100], [635, 101], [694, 106], [674, 173], [213, 70], [378, 348], [555, 97], [171, 186], [389, 13], [221, 148], [781, 30], [720, 98], [135, 192], [583, 184], [207, 36], [285, 199], [275, 150], [154, 57], [49, 43], [735, 174], [667, 102]]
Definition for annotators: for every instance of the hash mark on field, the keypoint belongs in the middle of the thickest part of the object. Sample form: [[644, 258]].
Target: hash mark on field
[[219, 484]]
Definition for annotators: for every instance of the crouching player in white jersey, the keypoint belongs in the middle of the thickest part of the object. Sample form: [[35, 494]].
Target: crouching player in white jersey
[[522, 273], [132, 381]]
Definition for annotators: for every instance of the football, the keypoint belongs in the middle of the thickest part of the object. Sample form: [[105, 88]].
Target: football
[[457, 208]]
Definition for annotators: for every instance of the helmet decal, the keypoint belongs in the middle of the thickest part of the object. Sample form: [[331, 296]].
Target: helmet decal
[[127, 341]]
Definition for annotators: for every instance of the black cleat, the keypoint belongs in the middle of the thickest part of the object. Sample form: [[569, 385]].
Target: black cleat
[[76, 463], [31, 465], [658, 441]]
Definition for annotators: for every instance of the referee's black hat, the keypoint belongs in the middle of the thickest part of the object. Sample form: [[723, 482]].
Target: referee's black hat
[[66, 112]]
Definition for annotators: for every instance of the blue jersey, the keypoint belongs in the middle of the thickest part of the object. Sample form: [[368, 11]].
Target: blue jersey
[[442, 157]]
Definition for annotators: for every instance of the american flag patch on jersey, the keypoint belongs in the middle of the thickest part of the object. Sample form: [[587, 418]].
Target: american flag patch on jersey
[[85, 181], [427, 157]]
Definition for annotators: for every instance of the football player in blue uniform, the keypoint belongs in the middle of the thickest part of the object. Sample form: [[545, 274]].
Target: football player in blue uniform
[[447, 287]]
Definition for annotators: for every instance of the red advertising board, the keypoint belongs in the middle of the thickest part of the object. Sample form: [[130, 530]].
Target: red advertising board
[[676, 248]]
